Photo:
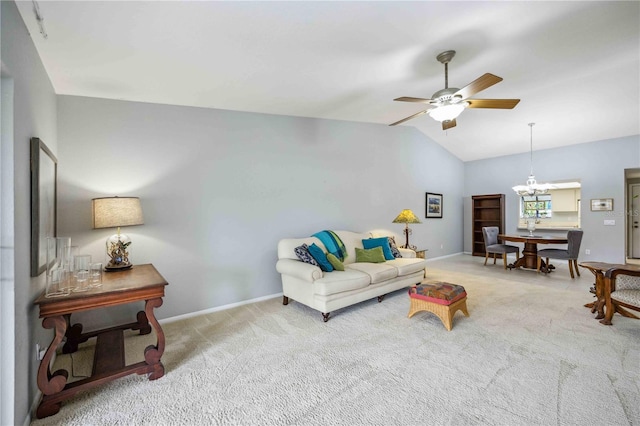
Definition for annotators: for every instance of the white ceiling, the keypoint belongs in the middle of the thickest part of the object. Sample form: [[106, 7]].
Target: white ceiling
[[574, 65]]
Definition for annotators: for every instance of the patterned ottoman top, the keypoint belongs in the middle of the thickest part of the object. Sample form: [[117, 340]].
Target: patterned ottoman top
[[438, 292]]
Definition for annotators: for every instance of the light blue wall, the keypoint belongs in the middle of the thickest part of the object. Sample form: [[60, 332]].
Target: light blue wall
[[34, 112], [220, 188], [598, 165]]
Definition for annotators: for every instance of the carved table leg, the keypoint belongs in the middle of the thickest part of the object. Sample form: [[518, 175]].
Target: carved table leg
[[152, 354], [74, 336], [143, 323], [599, 305], [48, 383]]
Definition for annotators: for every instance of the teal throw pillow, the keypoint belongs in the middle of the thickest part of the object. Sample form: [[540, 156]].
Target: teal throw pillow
[[379, 242], [335, 262], [320, 257], [374, 255]]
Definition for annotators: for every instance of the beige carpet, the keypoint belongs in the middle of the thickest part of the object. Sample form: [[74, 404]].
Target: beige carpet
[[527, 355]]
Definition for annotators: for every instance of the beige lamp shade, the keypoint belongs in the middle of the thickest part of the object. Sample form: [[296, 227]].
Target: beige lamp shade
[[406, 216], [112, 212]]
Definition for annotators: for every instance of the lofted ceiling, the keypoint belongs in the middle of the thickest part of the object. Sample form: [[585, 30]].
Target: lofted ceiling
[[574, 65]]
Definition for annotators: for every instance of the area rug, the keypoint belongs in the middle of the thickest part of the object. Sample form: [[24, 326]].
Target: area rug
[[526, 355]]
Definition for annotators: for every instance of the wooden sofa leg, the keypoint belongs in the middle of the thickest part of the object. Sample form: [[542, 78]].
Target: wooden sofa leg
[[325, 317], [285, 300], [380, 298]]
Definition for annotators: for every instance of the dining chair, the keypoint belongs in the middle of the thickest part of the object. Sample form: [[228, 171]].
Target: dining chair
[[490, 234], [571, 253], [621, 290]]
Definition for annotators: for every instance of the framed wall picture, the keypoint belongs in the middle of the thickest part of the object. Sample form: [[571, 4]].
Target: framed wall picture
[[434, 205], [44, 170], [601, 204]]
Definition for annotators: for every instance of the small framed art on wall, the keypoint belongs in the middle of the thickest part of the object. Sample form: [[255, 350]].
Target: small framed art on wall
[[433, 206]]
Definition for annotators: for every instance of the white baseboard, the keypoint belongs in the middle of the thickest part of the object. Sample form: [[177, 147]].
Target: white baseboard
[[217, 308], [444, 257]]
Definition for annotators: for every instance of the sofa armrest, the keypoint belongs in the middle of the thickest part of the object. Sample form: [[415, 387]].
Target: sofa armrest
[[298, 269], [407, 252]]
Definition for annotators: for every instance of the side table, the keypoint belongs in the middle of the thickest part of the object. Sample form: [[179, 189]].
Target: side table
[[421, 253], [598, 269], [140, 283]]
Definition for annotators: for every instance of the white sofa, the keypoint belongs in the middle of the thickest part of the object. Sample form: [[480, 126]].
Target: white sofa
[[328, 291]]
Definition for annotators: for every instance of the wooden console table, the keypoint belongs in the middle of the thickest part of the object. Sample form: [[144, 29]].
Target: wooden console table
[[140, 283]]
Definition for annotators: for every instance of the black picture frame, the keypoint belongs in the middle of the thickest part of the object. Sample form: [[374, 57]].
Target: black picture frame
[[433, 206], [44, 175]]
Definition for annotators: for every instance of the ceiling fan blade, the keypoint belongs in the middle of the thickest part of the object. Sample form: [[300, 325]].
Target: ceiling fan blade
[[448, 124], [477, 85], [408, 118], [410, 99], [493, 103]]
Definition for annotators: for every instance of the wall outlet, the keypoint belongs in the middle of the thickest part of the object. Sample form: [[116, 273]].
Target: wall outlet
[[40, 352], [609, 222], [587, 251]]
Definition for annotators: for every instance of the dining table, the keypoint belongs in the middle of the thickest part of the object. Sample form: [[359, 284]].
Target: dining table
[[529, 258]]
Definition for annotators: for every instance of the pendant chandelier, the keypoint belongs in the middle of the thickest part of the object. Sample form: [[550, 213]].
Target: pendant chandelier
[[532, 187]]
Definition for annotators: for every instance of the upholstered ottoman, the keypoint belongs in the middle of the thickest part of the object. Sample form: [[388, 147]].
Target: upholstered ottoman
[[439, 298]]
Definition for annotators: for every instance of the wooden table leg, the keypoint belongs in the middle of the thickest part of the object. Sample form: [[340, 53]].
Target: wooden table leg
[[598, 305], [50, 384], [529, 257], [152, 354]]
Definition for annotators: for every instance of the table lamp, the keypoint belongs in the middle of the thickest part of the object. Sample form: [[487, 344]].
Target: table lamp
[[406, 216], [112, 212]]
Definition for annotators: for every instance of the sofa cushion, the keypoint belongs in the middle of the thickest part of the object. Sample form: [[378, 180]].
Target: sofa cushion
[[351, 240], [335, 262], [339, 281], [407, 265], [303, 254], [383, 242], [374, 255], [378, 272], [320, 257]]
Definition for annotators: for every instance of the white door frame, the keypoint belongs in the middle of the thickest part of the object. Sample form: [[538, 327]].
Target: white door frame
[[7, 249]]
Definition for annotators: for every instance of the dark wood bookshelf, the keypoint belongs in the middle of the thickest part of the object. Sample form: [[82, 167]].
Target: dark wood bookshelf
[[488, 210]]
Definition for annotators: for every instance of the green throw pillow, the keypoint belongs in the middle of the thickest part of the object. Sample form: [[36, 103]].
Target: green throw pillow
[[335, 262], [374, 255]]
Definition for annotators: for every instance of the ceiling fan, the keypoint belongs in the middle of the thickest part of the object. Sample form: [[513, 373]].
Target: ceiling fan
[[449, 102]]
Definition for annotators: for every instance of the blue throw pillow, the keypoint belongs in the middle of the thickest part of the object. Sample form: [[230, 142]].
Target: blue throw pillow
[[379, 242], [320, 257]]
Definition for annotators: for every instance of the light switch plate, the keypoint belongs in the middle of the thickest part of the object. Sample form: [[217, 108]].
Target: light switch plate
[[609, 222]]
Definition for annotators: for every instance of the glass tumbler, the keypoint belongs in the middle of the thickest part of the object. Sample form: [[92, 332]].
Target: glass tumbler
[[82, 265], [57, 272], [95, 275]]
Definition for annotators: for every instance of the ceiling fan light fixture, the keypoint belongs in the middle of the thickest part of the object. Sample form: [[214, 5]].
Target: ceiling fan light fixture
[[447, 112]]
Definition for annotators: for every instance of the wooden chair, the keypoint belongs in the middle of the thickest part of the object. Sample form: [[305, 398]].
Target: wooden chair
[[621, 290], [574, 238], [490, 234]]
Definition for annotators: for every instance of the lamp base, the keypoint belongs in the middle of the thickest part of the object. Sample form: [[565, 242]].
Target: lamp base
[[117, 268]]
